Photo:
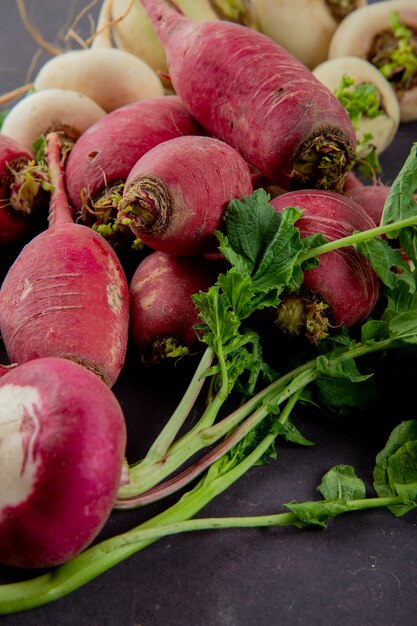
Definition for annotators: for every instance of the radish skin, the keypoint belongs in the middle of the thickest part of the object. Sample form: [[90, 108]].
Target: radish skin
[[176, 194], [249, 92], [303, 27], [162, 312], [344, 280], [356, 33], [384, 126], [66, 294], [62, 443], [56, 110], [371, 197], [107, 151], [109, 76]]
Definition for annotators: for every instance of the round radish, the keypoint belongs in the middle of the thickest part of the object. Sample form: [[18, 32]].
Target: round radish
[[370, 197], [176, 194], [103, 156], [60, 110], [162, 312], [62, 443], [343, 289]]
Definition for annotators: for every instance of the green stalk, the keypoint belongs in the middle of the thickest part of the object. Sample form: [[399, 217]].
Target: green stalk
[[167, 435], [144, 491], [357, 237], [22, 596]]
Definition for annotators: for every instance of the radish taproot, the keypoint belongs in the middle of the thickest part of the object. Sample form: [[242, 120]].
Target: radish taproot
[[62, 444], [66, 294], [162, 311], [55, 110], [103, 156], [343, 289], [24, 189], [176, 194], [384, 33], [248, 91]]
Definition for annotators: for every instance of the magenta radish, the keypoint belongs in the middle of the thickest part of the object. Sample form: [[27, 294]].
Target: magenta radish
[[370, 197], [248, 91], [66, 294], [62, 444], [343, 289], [176, 194], [23, 189], [162, 312], [103, 156]]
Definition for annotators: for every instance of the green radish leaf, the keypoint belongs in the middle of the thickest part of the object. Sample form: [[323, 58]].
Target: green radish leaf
[[403, 327], [316, 513], [395, 471], [342, 482], [400, 204], [290, 433], [387, 263], [340, 368]]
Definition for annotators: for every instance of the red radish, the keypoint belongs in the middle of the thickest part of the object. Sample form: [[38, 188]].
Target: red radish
[[250, 92], [66, 294], [62, 443], [344, 283], [103, 156], [176, 194], [162, 312], [370, 197], [23, 186]]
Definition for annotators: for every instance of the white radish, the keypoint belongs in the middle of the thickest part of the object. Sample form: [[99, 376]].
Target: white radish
[[304, 27], [109, 76], [66, 112], [383, 126], [135, 33], [358, 34]]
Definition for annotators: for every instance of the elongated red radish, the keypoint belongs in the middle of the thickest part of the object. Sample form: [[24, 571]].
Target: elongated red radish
[[62, 443], [66, 294], [248, 91], [23, 191], [61, 110], [371, 197], [343, 289], [176, 194], [103, 156], [162, 312]]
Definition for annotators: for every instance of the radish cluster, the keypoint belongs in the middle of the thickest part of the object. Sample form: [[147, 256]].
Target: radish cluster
[[161, 169]]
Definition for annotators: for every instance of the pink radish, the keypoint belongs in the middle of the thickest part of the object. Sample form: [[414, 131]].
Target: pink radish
[[343, 289], [370, 197], [66, 294], [176, 194], [23, 189], [103, 156], [162, 312], [62, 443], [248, 91]]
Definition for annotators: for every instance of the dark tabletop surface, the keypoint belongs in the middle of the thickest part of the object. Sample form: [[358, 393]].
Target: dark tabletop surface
[[361, 570]]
